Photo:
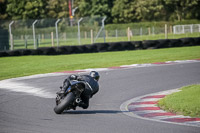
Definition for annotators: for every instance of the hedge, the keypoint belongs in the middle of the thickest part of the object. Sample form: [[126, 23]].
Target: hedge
[[104, 47]]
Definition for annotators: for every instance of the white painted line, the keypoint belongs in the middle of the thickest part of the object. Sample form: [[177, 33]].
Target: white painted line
[[148, 99], [22, 87], [169, 117], [143, 105], [168, 92], [94, 69], [149, 111], [197, 123]]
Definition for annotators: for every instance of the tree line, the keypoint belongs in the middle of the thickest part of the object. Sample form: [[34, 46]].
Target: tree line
[[117, 11]]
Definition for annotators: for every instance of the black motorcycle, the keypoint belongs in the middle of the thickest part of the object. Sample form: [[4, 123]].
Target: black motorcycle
[[70, 98]]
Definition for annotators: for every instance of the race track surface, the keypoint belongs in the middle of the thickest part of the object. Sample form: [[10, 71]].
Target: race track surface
[[27, 113]]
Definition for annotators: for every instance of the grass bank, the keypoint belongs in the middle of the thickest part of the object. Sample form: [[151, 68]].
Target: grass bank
[[185, 102], [11, 67]]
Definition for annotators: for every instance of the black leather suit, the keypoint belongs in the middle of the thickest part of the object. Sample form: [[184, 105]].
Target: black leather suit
[[91, 88]]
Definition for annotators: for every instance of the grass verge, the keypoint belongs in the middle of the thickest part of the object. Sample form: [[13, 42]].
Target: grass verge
[[11, 67], [185, 102]]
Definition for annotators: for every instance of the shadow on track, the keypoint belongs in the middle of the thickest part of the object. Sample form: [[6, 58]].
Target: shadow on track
[[92, 112]]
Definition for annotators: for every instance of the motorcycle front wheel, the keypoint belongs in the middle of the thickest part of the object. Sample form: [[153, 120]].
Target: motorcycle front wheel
[[64, 103]]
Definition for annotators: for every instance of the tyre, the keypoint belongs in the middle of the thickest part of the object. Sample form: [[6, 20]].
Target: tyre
[[64, 103]]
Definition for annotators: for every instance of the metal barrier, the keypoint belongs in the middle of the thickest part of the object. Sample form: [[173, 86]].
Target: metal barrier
[[31, 34]]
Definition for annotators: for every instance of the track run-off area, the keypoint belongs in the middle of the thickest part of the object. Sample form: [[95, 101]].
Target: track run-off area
[[27, 102]]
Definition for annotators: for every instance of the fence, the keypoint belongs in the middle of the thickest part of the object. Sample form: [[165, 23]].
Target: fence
[[182, 29], [30, 34]]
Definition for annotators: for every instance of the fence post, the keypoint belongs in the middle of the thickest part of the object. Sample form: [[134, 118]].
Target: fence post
[[174, 29], [116, 33], [106, 34], [92, 38], [166, 32], [56, 24], [128, 33], [183, 29], [149, 29], [42, 37], [153, 30], [171, 31], [52, 39], [35, 46], [85, 34], [79, 34], [26, 42], [191, 28], [102, 28], [11, 36], [199, 27], [65, 36], [141, 31]]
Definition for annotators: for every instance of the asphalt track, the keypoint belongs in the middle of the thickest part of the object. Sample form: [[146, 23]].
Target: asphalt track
[[26, 113]]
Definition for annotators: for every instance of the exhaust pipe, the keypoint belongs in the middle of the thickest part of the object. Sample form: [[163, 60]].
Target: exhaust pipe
[[78, 100]]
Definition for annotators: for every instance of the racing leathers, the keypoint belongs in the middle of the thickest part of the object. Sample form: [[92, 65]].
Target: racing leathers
[[91, 88]]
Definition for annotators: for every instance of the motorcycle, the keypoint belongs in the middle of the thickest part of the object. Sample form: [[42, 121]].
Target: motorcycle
[[70, 98]]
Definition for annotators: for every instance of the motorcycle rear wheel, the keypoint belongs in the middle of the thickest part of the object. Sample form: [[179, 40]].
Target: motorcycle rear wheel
[[64, 103]]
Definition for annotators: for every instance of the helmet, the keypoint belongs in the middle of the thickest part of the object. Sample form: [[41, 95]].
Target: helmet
[[95, 75]]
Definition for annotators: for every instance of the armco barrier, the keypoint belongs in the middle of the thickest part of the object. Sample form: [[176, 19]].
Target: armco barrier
[[103, 47]]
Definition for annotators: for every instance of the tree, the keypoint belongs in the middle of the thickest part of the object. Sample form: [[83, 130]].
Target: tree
[[137, 10], [182, 9], [26, 9], [57, 8], [149, 10], [3, 14], [96, 7]]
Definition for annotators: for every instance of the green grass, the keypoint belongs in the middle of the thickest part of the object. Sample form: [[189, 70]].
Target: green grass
[[185, 102], [11, 67]]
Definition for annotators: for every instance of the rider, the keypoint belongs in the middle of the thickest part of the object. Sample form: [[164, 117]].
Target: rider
[[91, 86]]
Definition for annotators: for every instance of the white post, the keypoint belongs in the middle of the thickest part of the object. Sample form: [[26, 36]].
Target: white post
[[199, 27], [102, 28], [52, 39], [141, 31], [92, 38], [183, 30], [73, 11], [11, 37], [56, 24], [191, 28], [174, 29], [153, 30], [128, 34], [116, 33], [166, 32], [79, 34], [34, 33]]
